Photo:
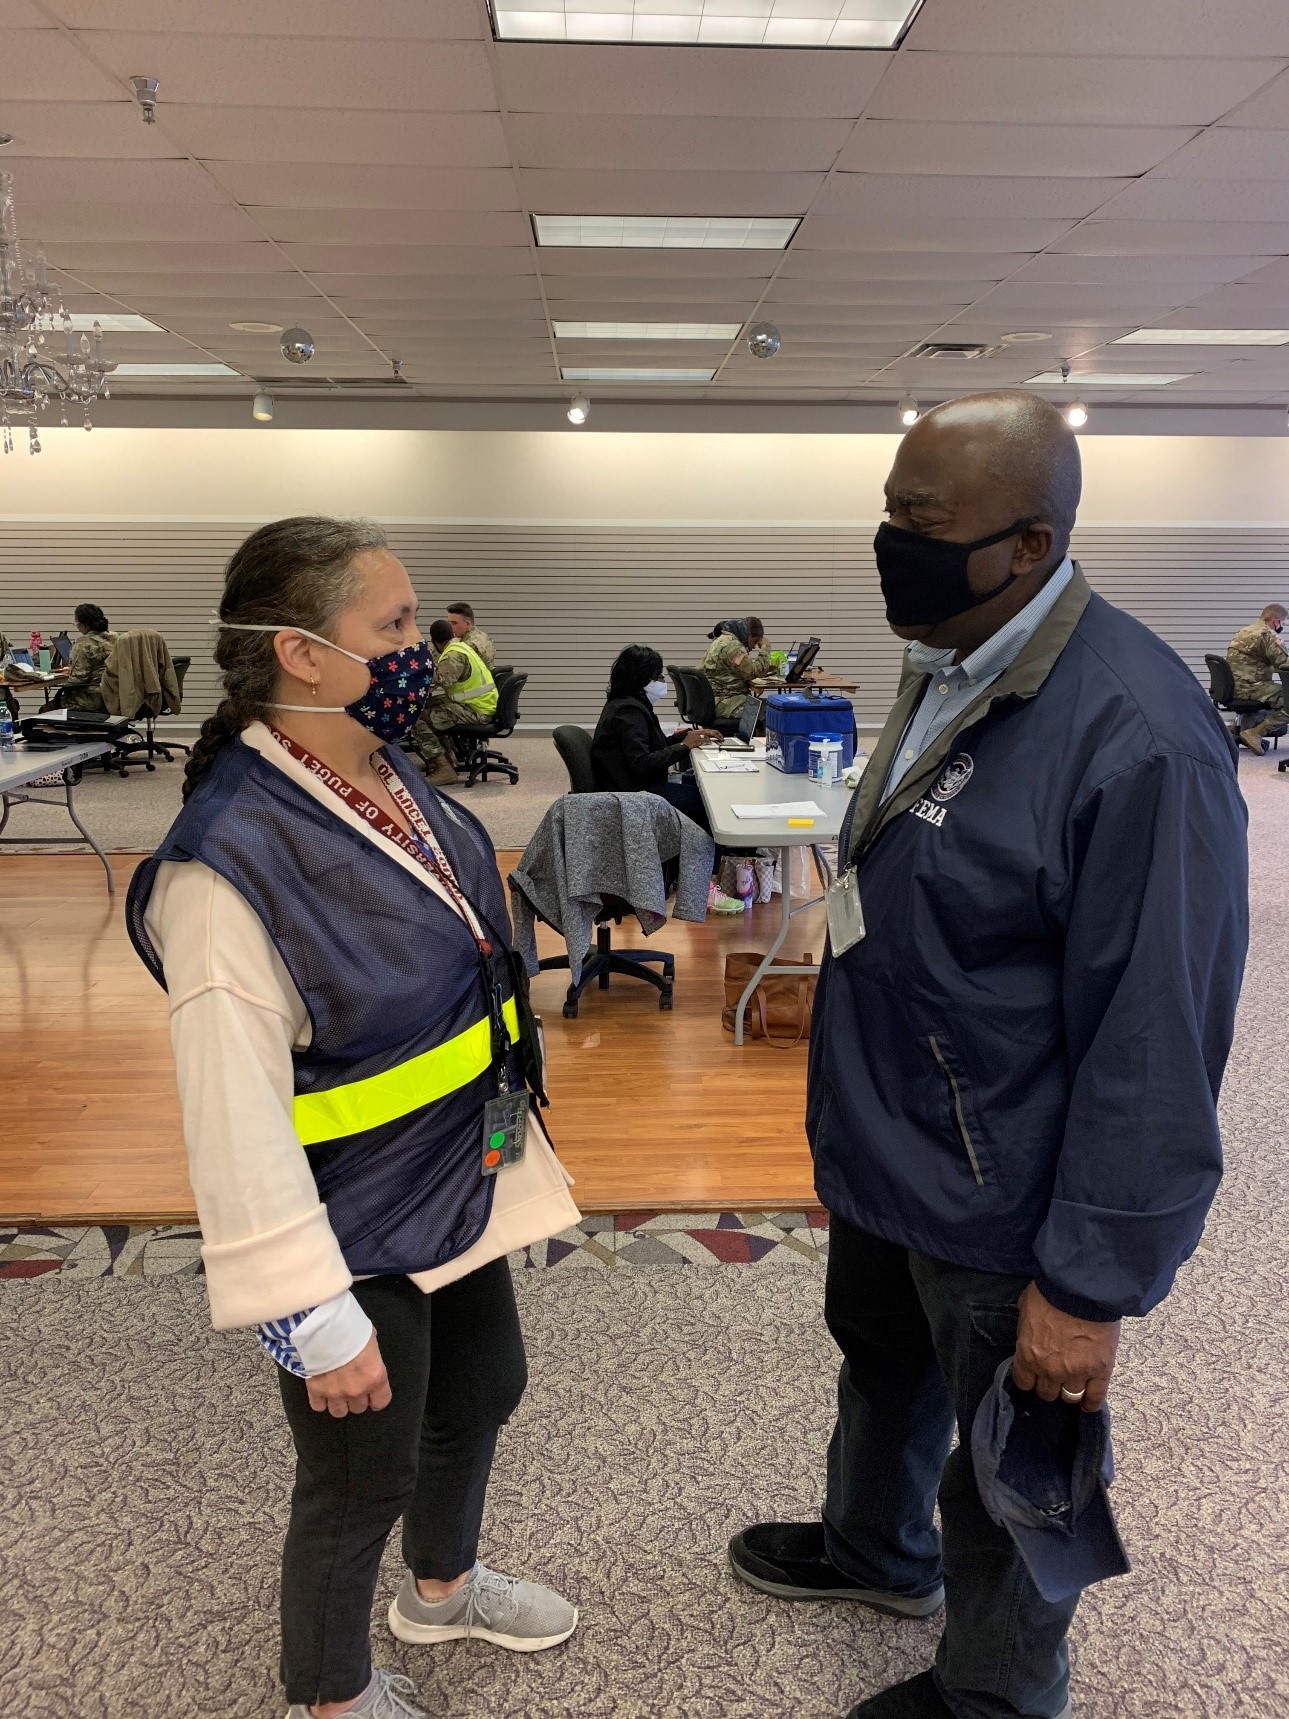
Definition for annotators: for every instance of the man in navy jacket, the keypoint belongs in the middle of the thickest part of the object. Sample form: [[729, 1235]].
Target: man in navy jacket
[[1014, 1071]]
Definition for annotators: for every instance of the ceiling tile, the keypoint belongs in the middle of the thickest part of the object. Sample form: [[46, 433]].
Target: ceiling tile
[[1044, 151], [1176, 238], [1039, 302], [1105, 27], [1111, 271], [55, 180], [45, 63], [840, 290], [380, 316], [183, 314], [636, 192], [299, 20], [1270, 107], [344, 135], [1159, 199], [927, 233], [901, 265], [116, 223], [894, 307], [109, 129], [388, 228], [623, 289], [312, 185], [727, 82], [301, 71], [163, 256], [646, 310], [425, 287], [841, 265], [1227, 153], [864, 196], [144, 288], [22, 15], [360, 260], [638, 141], [1015, 89]]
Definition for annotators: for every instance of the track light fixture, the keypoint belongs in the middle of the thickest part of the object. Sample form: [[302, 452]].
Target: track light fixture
[[909, 413], [1076, 414], [262, 408], [579, 409]]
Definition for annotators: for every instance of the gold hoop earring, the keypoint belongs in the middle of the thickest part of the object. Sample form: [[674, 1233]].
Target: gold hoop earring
[[313, 688]]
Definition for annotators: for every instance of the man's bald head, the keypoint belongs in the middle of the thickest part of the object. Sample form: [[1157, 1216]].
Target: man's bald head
[[1014, 445]]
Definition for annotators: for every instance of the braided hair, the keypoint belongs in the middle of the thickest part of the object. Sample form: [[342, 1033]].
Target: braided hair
[[293, 573], [90, 616]]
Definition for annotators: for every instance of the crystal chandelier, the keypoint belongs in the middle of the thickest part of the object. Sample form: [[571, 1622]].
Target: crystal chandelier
[[30, 379]]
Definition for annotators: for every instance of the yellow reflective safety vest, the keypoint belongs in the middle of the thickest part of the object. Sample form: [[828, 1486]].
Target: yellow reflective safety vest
[[477, 689], [390, 1091]]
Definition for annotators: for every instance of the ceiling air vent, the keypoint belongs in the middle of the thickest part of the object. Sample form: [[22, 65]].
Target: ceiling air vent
[[957, 350]]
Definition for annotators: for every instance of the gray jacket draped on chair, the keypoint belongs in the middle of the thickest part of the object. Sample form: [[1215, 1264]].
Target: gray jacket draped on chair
[[589, 846]]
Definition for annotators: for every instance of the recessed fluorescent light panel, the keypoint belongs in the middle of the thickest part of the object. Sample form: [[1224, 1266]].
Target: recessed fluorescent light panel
[[717, 331], [713, 23], [641, 375], [1107, 379], [173, 370], [1205, 337], [668, 232], [112, 322]]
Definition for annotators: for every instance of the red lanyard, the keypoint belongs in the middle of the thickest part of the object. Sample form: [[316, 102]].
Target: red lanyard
[[420, 846]]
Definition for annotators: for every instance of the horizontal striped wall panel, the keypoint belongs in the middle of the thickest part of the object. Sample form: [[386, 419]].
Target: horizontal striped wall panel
[[561, 600]]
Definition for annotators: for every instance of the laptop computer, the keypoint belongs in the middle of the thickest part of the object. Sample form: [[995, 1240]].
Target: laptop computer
[[749, 716], [62, 645], [800, 660]]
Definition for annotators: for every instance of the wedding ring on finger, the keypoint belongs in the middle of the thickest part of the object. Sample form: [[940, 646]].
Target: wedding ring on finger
[[1068, 1396]]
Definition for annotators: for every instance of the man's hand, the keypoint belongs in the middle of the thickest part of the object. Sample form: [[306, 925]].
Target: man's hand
[[360, 1384], [1055, 1350]]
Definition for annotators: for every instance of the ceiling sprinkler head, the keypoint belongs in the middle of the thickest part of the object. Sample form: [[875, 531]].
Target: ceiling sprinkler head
[[297, 346], [145, 93], [396, 365], [763, 340]]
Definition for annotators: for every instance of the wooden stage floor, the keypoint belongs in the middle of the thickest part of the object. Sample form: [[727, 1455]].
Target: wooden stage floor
[[649, 1111]]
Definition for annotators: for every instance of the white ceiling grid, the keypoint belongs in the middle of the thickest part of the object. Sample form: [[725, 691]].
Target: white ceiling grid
[[371, 171]]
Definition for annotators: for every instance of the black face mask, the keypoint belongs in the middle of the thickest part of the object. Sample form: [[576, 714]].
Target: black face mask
[[924, 579]]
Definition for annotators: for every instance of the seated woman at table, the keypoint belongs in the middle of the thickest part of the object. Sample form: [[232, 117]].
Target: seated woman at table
[[630, 752], [738, 654], [89, 653]]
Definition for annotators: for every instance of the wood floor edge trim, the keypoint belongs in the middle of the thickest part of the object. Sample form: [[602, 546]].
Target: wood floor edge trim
[[588, 1208]]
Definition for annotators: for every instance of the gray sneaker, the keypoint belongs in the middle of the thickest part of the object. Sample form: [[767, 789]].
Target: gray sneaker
[[387, 1698], [522, 1616]]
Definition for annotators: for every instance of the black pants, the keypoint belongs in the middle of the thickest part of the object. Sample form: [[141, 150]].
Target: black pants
[[921, 1342], [456, 1368]]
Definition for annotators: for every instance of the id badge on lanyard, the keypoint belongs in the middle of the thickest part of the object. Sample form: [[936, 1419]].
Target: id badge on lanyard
[[845, 912]]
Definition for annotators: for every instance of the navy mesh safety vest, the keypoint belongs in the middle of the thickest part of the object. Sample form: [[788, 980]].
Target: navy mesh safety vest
[[389, 1093]]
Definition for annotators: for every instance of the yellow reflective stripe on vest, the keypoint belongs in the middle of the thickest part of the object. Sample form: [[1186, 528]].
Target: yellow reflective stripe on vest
[[478, 683], [363, 1104]]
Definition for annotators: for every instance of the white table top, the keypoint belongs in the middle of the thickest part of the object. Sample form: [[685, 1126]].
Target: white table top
[[722, 791], [21, 766]]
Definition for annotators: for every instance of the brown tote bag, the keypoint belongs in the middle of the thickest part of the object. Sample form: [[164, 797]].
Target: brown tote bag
[[779, 1010]]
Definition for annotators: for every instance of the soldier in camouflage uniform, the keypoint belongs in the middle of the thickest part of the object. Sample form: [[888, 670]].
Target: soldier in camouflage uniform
[[1255, 655], [89, 653], [461, 621], [738, 655], [454, 665]]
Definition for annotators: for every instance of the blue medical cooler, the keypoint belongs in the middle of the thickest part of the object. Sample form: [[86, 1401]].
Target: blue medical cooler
[[792, 717]]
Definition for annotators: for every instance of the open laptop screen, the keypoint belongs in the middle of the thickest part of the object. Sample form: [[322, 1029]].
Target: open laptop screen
[[749, 716]]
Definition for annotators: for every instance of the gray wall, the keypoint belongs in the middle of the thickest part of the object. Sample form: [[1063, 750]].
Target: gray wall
[[560, 601]]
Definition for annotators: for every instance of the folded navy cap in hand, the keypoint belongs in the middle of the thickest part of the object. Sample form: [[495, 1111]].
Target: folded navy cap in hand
[[1042, 1470]]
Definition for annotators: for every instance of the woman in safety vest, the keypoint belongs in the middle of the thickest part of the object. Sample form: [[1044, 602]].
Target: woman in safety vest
[[354, 1051]]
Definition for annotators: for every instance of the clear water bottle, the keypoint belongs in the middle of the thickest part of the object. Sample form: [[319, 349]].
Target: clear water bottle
[[6, 727]]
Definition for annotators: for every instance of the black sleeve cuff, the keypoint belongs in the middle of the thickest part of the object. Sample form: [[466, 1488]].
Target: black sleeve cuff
[[1075, 1305]]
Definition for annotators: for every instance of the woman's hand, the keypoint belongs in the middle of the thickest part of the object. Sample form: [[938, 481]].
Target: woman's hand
[[360, 1384], [701, 737]]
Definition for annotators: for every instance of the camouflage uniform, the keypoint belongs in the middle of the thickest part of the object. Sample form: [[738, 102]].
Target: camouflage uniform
[[444, 712], [731, 667], [481, 645], [89, 653], [1255, 655]]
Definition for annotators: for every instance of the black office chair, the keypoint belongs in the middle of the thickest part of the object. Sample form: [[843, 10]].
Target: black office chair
[[501, 673], [698, 709], [470, 745], [574, 746], [1247, 712]]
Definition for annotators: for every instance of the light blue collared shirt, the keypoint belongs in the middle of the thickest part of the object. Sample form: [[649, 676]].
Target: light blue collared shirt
[[953, 686]]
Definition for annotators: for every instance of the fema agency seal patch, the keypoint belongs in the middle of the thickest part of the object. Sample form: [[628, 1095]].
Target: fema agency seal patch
[[953, 778]]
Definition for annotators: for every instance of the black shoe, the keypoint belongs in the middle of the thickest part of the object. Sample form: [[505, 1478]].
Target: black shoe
[[918, 1698], [788, 1559]]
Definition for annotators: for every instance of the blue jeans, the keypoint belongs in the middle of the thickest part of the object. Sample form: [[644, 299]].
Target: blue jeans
[[921, 1342]]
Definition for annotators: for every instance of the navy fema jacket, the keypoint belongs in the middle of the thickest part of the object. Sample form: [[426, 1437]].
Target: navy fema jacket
[[1017, 1069]]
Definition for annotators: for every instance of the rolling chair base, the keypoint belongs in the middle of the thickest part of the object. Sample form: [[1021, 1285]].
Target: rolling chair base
[[603, 961], [475, 761]]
